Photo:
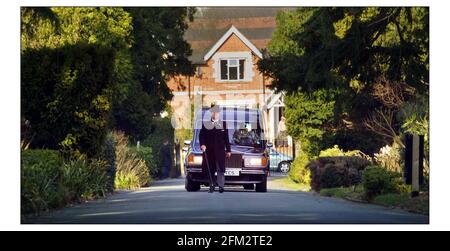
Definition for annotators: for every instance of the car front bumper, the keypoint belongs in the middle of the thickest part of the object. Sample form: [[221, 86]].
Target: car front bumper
[[246, 176]]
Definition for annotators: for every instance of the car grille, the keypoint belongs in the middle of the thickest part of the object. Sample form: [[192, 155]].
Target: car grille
[[235, 161]]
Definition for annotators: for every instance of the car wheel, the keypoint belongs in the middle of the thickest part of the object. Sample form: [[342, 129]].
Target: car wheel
[[191, 186], [262, 187], [249, 186], [284, 167]]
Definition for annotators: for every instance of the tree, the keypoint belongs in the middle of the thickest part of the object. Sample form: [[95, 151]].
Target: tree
[[67, 96], [349, 46], [159, 52], [350, 50], [148, 46], [308, 117], [56, 36]]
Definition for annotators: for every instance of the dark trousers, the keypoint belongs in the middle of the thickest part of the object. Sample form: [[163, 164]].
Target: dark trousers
[[220, 179], [165, 171]]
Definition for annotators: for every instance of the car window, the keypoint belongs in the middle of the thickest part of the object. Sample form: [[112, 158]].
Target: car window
[[245, 133], [243, 137], [244, 129]]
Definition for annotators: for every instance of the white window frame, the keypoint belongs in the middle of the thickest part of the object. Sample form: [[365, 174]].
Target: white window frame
[[249, 72], [228, 69]]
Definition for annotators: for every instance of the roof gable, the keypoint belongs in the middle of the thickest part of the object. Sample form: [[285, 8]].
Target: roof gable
[[224, 38]]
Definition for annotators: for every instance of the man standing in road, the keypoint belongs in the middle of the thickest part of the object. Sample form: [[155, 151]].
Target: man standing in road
[[214, 141]]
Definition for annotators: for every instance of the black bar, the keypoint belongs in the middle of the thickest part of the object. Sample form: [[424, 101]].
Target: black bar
[[408, 158], [421, 156]]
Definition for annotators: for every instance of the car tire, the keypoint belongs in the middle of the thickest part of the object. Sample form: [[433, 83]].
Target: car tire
[[262, 187], [284, 167], [249, 186], [191, 186]]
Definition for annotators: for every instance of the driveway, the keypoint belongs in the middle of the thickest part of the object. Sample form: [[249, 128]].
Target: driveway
[[166, 201]]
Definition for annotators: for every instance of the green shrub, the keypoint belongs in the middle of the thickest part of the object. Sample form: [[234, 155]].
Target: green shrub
[[378, 181], [414, 115], [48, 181], [353, 193], [131, 171], [332, 152], [335, 151], [309, 117], [109, 154], [299, 173], [391, 199], [40, 170], [83, 179], [390, 158], [51, 158], [333, 192], [147, 154], [127, 181], [97, 178], [334, 175], [342, 171]]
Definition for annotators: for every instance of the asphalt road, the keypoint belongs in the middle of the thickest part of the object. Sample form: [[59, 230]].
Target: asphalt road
[[167, 202]]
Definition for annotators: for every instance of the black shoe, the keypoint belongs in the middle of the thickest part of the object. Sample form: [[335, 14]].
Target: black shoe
[[211, 189], [221, 190]]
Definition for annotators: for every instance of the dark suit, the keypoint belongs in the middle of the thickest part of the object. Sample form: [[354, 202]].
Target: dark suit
[[166, 160], [215, 138]]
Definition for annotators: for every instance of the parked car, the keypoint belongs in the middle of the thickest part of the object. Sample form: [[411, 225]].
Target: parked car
[[248, 165], [279, 162]]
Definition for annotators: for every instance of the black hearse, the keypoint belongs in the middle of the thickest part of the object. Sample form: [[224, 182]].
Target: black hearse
[[248, 165]]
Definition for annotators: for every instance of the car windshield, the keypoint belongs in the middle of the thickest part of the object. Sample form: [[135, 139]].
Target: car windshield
[[244, 126], [245, 135]]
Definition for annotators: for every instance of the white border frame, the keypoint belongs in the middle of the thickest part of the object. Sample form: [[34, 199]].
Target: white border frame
[[10, 109]]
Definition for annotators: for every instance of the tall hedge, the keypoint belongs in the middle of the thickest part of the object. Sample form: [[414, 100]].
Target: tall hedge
[[309, 117], [67, 96]]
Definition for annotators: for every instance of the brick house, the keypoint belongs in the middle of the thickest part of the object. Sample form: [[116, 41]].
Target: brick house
[[227, 44]]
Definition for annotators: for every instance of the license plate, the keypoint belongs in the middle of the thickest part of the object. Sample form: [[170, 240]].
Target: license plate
[[232, 171]]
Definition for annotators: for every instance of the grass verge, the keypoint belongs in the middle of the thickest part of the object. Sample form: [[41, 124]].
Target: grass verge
[[287, 183], [418, 204], [350, 193]]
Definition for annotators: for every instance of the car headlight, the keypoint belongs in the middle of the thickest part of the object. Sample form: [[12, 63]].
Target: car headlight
[[255, 162], [195, 160]]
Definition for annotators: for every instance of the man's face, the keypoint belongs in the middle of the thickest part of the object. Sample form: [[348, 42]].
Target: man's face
[[215, 115]]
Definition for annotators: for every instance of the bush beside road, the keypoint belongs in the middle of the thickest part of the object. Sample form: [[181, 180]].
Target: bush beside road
[[418, 204], [355, 176]]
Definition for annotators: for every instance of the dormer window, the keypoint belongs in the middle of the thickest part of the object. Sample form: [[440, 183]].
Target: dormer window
[[232, 69]]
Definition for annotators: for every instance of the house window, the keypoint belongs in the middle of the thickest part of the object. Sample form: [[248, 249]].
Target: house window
[[232, 69]]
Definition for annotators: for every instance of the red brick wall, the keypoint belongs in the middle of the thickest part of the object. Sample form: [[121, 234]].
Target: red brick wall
[[208, 83]]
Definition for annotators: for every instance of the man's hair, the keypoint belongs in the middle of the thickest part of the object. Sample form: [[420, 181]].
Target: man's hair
[[214, 108]]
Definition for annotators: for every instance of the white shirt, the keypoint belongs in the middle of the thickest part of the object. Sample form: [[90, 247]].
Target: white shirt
[[215, 122]]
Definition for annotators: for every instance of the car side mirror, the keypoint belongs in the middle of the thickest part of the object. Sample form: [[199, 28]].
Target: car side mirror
[[187, 142], [269, 145]]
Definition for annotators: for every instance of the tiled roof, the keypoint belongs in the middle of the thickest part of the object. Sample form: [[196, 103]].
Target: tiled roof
[[257, 24]]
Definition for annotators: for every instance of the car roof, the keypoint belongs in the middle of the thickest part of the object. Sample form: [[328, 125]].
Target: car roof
[[231, 114]]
